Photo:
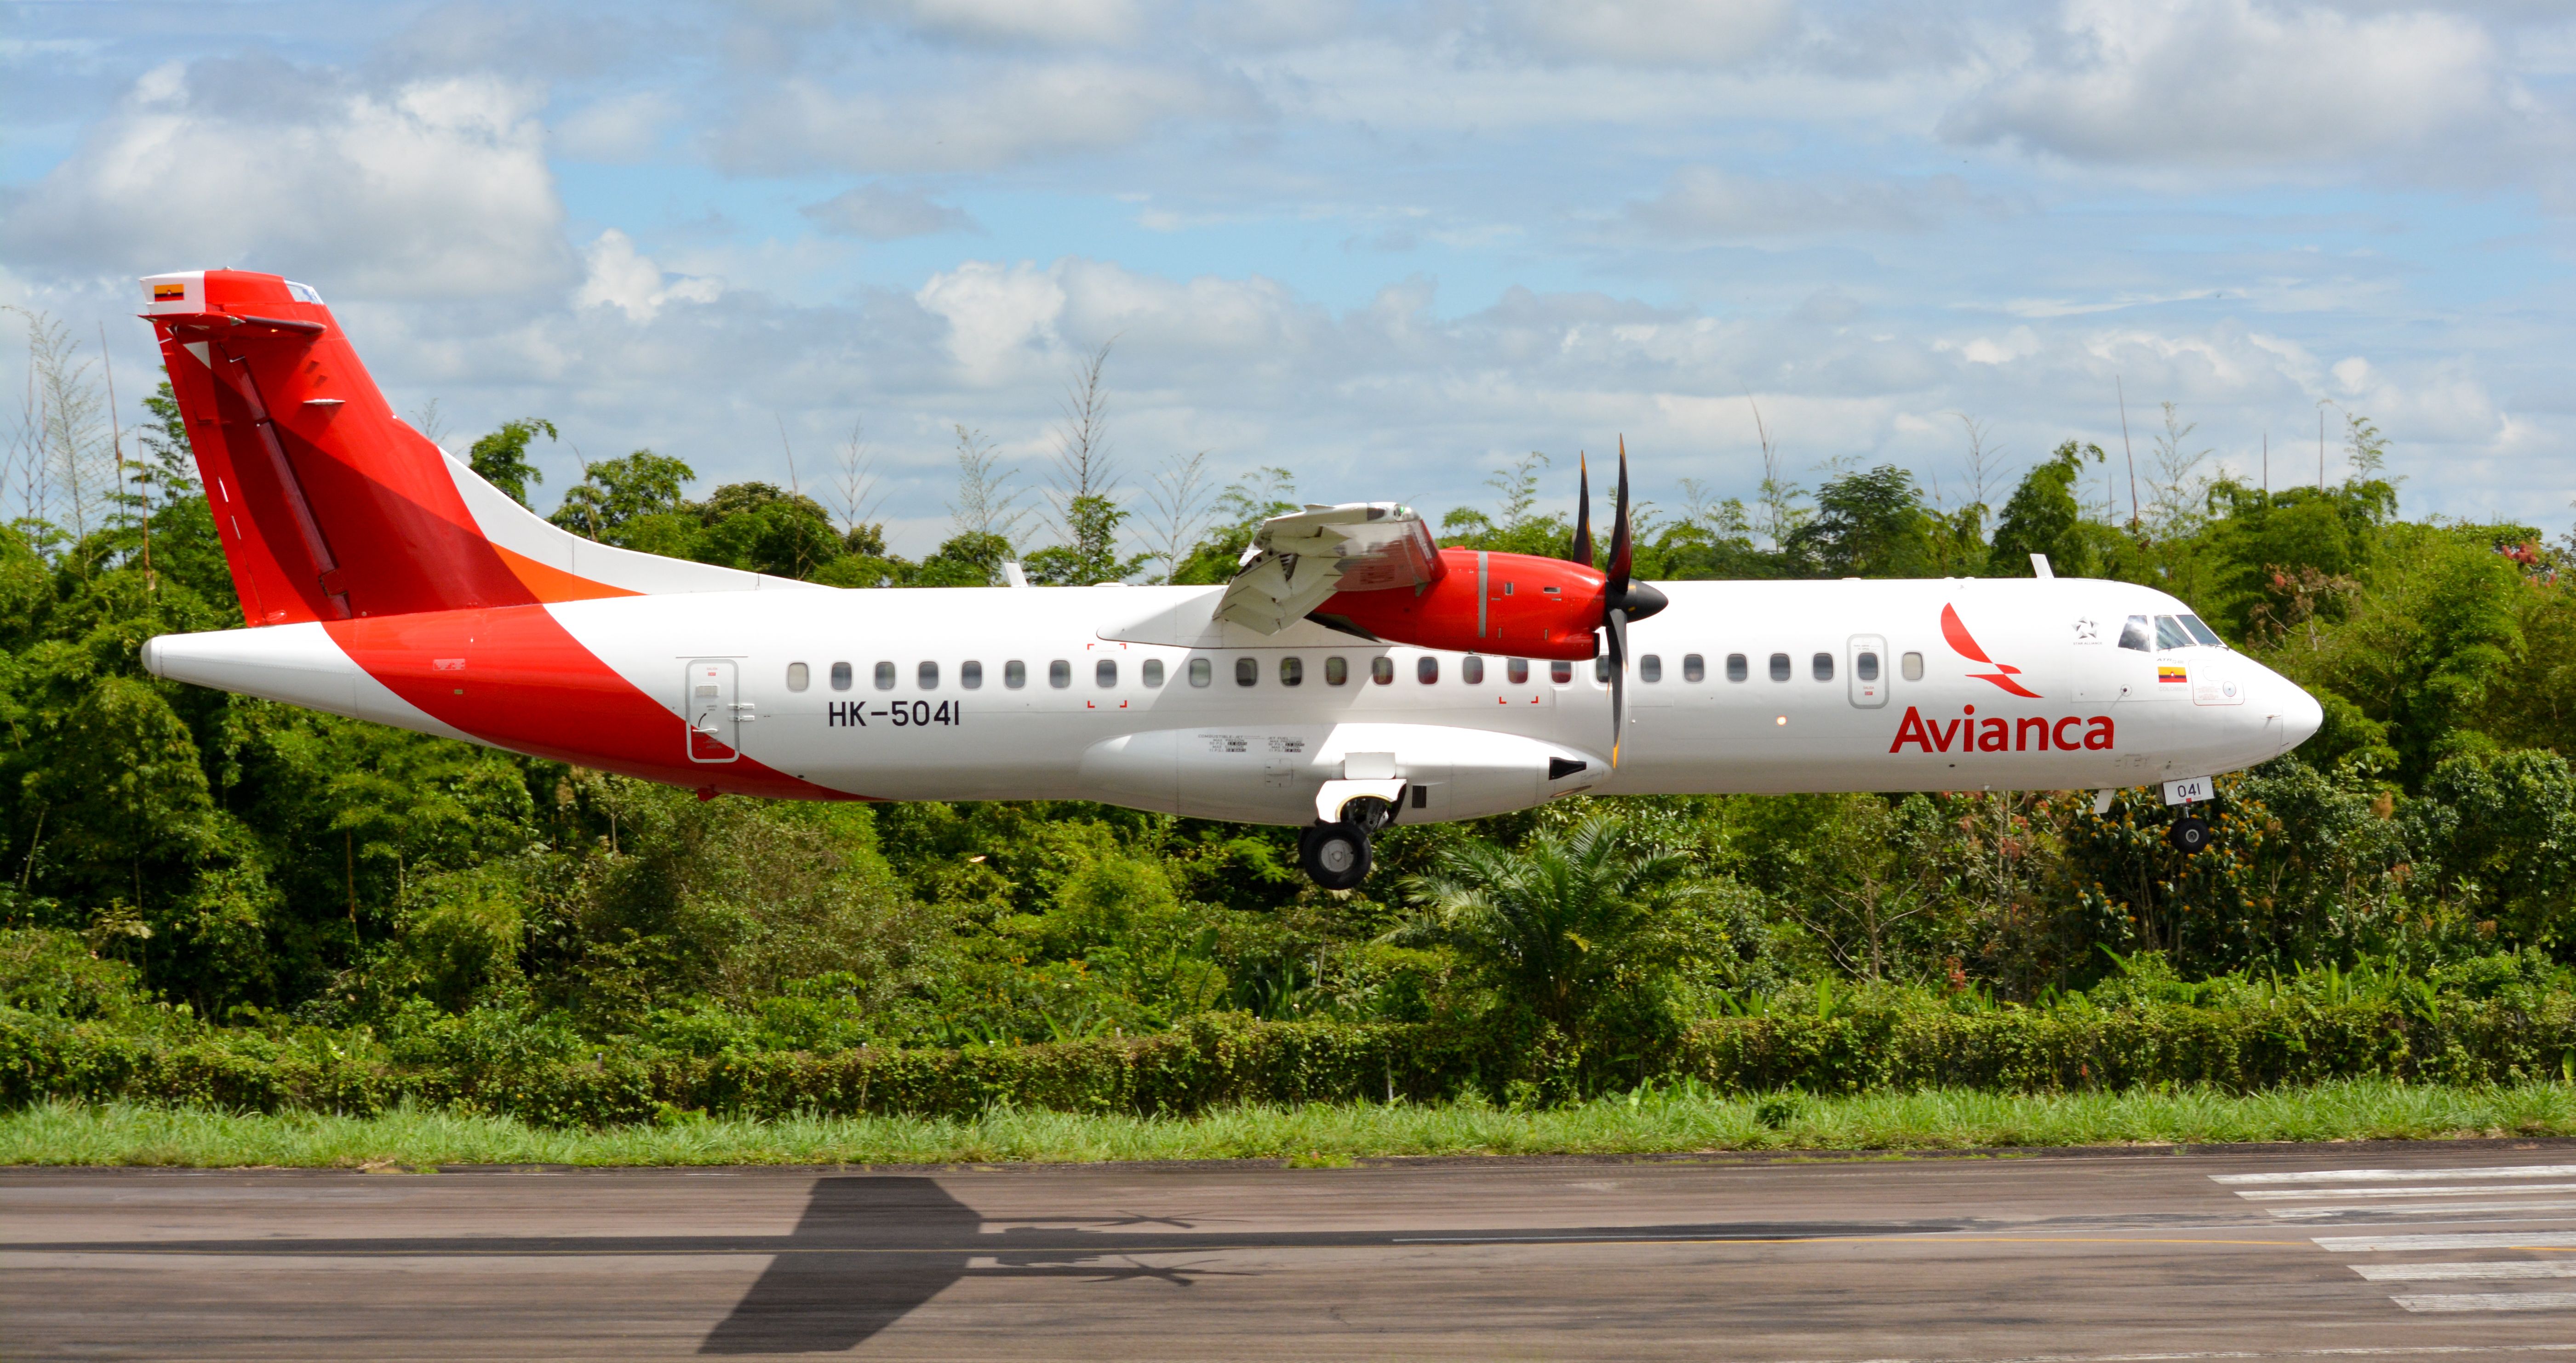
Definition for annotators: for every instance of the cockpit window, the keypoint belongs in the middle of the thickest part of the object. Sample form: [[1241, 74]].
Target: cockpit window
[[2170, 633], [2134, 635], [2208, 637]]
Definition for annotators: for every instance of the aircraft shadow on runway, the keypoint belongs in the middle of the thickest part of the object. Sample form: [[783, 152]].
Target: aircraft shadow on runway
[[870, 1249]]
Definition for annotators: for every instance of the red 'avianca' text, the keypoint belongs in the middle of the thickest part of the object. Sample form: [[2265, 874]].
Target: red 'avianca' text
[[1967, 733]]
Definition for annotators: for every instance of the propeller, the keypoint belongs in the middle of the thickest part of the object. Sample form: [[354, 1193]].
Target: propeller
[[1582, 551], [1623, 599]]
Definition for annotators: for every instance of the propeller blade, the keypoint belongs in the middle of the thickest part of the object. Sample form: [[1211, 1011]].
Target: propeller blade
[[1619, 545], [1582, 552], [1618, 622]]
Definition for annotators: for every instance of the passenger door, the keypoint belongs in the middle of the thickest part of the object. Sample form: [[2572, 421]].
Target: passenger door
[[708, 702], [1865, 662]]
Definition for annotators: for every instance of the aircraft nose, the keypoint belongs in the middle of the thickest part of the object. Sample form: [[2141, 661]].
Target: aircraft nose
[[2301, 715]]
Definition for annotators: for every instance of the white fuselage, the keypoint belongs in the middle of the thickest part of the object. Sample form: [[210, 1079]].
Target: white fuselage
[[1087, 719]]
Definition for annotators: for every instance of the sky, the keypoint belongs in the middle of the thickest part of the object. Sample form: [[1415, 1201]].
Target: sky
[[1389, 248]]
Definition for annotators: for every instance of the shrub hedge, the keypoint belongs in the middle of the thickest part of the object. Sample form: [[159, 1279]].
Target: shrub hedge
[[1220, 1059]]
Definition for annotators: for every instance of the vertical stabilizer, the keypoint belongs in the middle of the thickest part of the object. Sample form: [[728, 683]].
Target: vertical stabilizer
[[329, 507]]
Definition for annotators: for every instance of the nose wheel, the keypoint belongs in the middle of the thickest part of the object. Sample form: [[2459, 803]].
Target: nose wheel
[[2188, 834]]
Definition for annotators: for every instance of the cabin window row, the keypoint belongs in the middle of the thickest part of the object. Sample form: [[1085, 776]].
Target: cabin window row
[[1780, 666], [1426, 670], [970, 675]]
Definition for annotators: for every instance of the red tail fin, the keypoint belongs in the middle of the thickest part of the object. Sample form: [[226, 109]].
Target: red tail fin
[[329, 507]]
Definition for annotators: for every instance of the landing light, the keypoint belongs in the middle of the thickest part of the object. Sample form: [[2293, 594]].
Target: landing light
[[1781, 720]]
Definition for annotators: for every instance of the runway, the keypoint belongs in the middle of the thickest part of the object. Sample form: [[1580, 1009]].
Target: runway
[[2378, 1252]]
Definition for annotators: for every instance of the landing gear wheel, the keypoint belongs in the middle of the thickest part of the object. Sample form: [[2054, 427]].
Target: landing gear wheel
[[2189, 834], [1334, 855]]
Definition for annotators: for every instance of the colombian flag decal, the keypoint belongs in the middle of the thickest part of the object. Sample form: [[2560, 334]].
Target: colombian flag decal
[[169, 293], [2170, 673]]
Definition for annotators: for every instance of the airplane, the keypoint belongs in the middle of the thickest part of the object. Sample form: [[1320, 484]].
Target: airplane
[[1353, 675]]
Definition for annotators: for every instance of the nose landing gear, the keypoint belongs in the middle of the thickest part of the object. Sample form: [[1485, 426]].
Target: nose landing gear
[[2188, 834], [1336, 855]]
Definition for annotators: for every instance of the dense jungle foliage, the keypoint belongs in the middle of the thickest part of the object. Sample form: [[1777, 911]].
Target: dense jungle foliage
[[177, 857]]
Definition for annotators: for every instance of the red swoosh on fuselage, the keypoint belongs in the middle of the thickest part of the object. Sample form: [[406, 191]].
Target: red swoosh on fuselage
[[1961, 641], [530, 686]]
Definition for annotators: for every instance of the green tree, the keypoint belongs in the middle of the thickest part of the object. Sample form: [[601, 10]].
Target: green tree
[[1867, 524], [1561, 922], [2044, 517], [501, 458], [1092, 557], [615, 493]]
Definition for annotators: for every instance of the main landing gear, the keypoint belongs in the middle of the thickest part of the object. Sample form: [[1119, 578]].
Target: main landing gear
[[1336, 855]]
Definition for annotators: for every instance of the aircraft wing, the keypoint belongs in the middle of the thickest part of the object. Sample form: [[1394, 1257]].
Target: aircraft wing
[[1298, 560]]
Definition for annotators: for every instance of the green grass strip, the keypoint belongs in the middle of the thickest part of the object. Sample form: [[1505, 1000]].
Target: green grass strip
[[1667, 1122]]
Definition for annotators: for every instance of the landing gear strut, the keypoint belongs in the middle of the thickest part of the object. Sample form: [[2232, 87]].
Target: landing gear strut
[[1336, 855]]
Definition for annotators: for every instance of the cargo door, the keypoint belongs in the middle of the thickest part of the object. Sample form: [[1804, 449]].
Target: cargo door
[[709, 705]]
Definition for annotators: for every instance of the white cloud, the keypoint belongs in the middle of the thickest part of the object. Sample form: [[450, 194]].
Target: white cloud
[[1645, 32], [1700, 201], [619, 130], [434, 188], [877, 212], [1011, 115], [1062, 22], [619, 277], [998, 317], [2246, 83]]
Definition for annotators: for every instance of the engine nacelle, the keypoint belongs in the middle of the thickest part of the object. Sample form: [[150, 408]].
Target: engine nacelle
[[1520, 605]]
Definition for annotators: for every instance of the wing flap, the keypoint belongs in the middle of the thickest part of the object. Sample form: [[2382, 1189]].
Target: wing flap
[[1299, 560]]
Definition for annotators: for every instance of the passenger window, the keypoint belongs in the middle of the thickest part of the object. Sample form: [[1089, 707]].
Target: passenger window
[[1779, 667], [1601, 669], [1015, 674], [1105, 672], [1650, 667], [1246, 672], [1560, 671], [1516, 671], [1694, 667], [1059, 674], [1153, 674], [2134, 635], [1823, 663], [885, 676], [1912, 666], [1471, 670], [928, 675], [1382, 670], [2207, 636], [1736, 670], [1867, 666], [797, 677], [970, 675], [840, 676], [1337, 670], [1201, 672], [2170, 633], [1426, 670], [1292, 672]]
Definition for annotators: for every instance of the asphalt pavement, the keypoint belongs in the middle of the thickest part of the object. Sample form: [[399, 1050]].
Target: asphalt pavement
[[2377, 1251]]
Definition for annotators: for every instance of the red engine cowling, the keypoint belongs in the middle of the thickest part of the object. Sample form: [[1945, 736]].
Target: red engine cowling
[[1518, 605]]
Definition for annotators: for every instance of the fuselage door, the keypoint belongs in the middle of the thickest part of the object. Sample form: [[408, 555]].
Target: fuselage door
[[708, 701], [1866, 665]]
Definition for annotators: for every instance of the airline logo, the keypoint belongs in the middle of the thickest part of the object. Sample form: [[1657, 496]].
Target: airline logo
[[1965, 644], [169, 293], [2173, 673], [1967, 733]]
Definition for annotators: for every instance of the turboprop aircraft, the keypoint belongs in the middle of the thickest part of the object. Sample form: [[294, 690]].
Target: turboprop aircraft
[[1352, 675]]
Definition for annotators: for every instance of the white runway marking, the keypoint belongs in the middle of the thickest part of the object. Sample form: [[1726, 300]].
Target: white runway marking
[[2401, 1175], [2437, 1209], [2380, 1244], [2286, 1194], [2491, 1301], [2429, 1273]]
